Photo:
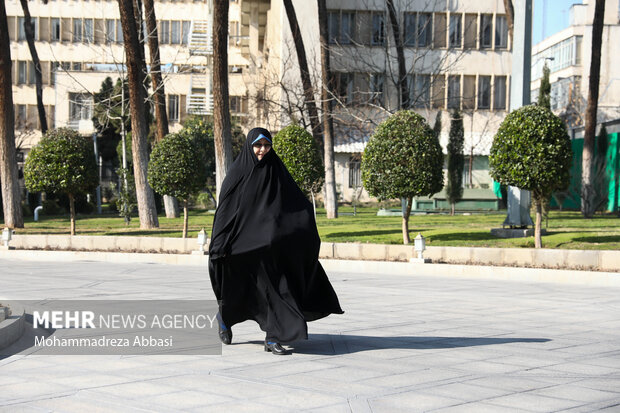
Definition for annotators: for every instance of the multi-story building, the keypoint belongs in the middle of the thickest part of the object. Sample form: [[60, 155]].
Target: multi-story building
[[457, 56], [568, 54], [80, 43]]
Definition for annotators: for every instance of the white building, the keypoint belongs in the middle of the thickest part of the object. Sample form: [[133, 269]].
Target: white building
[[457, 56], [568, 55]]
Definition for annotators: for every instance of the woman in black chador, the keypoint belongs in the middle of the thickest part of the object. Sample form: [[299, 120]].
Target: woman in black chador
[[263, 256]]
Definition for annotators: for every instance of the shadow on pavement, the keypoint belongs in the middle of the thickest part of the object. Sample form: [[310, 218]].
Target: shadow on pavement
[[328, 344]]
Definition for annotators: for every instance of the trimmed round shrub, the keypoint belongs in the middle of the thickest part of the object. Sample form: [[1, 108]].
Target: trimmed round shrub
[[301, 156], [403, 158]]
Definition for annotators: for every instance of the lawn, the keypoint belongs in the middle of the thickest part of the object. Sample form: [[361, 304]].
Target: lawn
[[567, 230]]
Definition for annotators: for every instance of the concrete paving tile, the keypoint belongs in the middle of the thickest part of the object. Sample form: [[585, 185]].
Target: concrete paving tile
[[25, 408], [411, 402], [532, 402], [479, 407], [187, 399], [466, 392], [24, 391], [577, 393], [295, 399]]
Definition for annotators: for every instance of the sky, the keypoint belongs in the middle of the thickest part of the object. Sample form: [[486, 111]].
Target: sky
[[556, 17]]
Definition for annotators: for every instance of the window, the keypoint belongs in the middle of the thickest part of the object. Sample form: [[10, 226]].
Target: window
[[22, 72], [454, 91], [486, 34], [89, 34], [164, 32], [501, 32], [355, 176], [31, 73], [455, 30], [173, 108], [469, 92], [378, 29], [186, 28], [425, 29], [109, 31], [471, 24], [440, 30], [499, 93], [484, 92], [76, 66], [236, 104], [77, 30], [20, 116], [376, 88], [422, 91], [55, 29], [119, 32], [80, 106], [21, 30], [333, 26], [409, 31], [344, 87], [347, 27], [439, 91], [175, 32]]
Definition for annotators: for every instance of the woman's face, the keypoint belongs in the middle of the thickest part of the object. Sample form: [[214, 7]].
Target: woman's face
[[261, 148]]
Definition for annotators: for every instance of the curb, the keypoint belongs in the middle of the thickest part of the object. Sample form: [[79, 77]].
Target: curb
[[516, 274], [12, 330]]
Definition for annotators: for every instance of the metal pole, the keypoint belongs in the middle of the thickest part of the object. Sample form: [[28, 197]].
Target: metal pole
[[98, 161]]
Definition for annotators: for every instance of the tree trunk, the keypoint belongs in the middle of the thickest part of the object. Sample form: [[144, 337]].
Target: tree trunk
[[537, 235], [221, 112], [406, 214], [400, 55], [72, 213], [590, 128], [305, 73], [331, 200], [159, 96], [28, 28], [139, 128], [510, 16], [452, 208], [185, 219], [11, 199]]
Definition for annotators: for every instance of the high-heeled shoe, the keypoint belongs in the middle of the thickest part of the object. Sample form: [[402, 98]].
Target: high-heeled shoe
[[275, 348], [224, 332]]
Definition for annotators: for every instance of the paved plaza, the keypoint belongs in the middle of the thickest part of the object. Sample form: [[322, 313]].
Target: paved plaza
[[405, 343]]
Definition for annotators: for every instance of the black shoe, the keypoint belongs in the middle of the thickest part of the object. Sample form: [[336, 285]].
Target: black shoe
[[224, 332], [275, 348]]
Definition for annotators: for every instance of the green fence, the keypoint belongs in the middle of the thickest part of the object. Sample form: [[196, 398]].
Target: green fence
[[606, 182]]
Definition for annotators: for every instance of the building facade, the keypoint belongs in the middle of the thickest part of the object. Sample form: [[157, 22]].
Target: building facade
[[457, 56], [568, 54]]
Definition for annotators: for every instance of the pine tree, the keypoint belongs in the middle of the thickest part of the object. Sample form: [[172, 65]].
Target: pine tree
[[544, 93], [456, 160]]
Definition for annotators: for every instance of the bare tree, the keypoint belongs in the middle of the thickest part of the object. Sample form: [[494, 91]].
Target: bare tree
[[139, 127], [159, 95], [305, 72], [29, 30], [331, 202], [221, 110], [587, 207], [11, 200]]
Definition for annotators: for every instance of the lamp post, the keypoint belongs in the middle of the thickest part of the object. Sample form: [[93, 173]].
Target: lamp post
[[419, 246], [7, 234], [201, 241]]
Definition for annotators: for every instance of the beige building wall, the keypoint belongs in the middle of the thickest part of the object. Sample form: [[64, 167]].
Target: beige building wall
[[472, 63]]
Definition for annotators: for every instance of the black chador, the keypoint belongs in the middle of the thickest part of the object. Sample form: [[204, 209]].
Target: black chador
[[263, 256]]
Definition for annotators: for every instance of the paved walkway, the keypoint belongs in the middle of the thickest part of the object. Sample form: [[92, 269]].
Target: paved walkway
[[405, 343]]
